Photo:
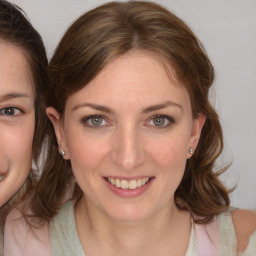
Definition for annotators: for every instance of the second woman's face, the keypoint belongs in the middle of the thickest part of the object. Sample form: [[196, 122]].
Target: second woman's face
[[127, 135], [17, 120]]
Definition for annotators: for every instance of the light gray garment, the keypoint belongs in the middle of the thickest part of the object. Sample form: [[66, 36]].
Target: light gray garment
[[63, 233], [65, 240], [228, 238]]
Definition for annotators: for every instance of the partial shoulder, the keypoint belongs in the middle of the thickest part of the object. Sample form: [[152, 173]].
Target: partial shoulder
[[245, 225], [20, 237]]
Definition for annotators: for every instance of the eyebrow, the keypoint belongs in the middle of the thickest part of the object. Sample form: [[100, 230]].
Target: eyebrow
[[145, 111], [161, 106], [94, 106], [13, 96]]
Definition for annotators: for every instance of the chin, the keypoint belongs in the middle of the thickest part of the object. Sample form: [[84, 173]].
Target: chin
[[129, 213]]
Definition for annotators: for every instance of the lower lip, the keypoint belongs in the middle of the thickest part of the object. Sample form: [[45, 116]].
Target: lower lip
[[128, 193]]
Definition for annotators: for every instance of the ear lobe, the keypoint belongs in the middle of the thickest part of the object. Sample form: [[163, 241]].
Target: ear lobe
[[196, 132], [54, 116]]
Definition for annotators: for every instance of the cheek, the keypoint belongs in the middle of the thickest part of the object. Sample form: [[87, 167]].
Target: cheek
[[16, 157], [169, 151], [170, 160], [19, 142], [86, 152]]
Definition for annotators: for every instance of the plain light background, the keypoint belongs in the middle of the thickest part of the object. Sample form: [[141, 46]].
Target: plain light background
[[227, 29]]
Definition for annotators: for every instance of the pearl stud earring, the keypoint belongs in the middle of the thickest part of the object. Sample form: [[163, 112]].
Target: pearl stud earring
[[62, 152]]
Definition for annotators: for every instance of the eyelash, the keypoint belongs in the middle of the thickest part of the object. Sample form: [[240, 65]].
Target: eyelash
[[169, 119], [14, 109], [89, 118]]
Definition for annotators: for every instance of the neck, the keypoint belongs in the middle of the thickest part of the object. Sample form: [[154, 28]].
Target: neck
[[165, 232]]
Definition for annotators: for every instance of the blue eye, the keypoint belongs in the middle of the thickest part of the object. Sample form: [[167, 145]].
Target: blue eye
[[161, 121], [10, 111], [94, 121]]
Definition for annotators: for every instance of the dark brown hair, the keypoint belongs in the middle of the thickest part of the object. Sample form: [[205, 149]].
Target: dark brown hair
[[94, 40], [17, 30]]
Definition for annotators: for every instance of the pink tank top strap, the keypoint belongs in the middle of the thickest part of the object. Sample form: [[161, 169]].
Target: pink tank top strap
[[20, 239], [208, 238]]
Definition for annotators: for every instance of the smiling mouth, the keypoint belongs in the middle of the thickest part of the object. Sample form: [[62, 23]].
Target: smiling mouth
[[131, 184]]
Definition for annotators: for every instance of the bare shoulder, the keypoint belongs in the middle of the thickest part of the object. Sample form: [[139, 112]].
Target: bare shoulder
[[245, 224]]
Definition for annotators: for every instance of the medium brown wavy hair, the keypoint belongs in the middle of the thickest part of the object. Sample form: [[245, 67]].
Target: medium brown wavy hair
[[94, 40], [16, 29]]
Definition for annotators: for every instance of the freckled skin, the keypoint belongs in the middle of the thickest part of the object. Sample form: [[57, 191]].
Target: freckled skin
[[17, 129]]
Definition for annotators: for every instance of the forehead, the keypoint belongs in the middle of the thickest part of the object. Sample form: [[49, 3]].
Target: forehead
[[15, 72], [136, 77], [134, 64]]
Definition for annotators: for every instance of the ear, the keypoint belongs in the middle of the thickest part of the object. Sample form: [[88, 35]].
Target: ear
[[196, 132], [54, 116]]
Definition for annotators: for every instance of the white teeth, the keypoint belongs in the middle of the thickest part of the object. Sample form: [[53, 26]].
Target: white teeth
[[132, 184], [125, 184], [117, 183], [145, 180], [139, 183]]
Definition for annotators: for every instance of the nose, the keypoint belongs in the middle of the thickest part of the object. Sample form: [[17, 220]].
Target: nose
[[128, 148]]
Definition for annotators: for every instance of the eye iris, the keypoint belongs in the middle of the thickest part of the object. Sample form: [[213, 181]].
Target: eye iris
[[159, 121], [9, 111], [96, 120]]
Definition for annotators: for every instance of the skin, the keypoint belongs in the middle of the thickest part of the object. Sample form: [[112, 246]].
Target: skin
[[129, 143], [245, 226], [17, 120]]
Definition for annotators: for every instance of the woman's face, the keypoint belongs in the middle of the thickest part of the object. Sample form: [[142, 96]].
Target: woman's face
[[17, 120], [127, 135]]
